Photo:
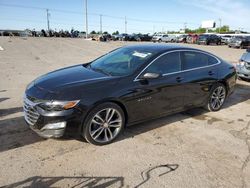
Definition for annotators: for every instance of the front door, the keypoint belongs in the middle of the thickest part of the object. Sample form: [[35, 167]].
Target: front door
[[157, 96]]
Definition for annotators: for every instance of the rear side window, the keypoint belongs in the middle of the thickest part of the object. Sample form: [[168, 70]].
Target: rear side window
[[212, 60], [191, 60], [168, 63]]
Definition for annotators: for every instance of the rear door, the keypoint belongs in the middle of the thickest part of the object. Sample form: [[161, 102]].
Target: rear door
[[199, 73]]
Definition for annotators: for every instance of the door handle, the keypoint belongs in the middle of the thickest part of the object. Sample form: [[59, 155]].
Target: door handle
[[179, 79], [210, 73]]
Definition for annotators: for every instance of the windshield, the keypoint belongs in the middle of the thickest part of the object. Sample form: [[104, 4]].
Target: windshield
[[203, 36], [245, 57], [121, 62]]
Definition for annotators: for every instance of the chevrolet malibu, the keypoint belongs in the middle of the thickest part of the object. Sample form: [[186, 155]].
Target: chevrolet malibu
[[126, 86]]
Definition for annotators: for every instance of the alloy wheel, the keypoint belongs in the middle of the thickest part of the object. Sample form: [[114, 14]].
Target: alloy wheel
[[217, 98], [105, 125]]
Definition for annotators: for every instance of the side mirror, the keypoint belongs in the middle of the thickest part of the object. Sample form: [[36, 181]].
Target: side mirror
[[150, 75]]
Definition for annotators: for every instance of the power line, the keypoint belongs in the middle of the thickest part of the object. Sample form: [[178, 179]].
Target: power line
[[96, 14]]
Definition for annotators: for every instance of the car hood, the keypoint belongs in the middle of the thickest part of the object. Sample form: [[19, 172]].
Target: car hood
[[67, 77]]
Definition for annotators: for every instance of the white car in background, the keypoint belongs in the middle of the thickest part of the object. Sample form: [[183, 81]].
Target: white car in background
[[164, 38]]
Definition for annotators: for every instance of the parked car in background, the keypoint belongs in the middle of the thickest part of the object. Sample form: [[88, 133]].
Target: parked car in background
[[121, 37], [182, 38], [243, 67], [104, 37], [139, 37], [163, 38], [240, 42], [226, 39], [145, 37], [129, 85], [209, 39], [192, 38]]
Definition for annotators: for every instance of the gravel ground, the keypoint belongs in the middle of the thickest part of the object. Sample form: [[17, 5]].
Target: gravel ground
[[189, 149]]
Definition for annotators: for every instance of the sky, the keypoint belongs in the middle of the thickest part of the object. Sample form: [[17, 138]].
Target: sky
[[145, 16]]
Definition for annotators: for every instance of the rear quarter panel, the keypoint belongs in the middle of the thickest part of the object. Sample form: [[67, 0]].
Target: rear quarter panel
[[227, 74]]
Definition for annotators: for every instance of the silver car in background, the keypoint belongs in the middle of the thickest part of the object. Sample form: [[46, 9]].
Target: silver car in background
[[243, 67], [164, 38]]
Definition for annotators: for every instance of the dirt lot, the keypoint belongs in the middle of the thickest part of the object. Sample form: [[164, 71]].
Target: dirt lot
[[189, 149]]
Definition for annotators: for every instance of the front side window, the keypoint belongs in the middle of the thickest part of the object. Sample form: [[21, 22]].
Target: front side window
[[191, 60], [168, 63]]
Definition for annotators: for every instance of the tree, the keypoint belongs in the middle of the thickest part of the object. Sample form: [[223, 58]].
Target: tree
[[105, 33], [115, 33], [223, 29], [92, 32]]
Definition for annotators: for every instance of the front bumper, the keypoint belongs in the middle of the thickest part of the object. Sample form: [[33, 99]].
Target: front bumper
[[49, 133], [242, 72], [49, 124], [234, 45]]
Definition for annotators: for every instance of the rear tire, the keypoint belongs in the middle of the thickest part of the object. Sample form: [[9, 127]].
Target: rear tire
[[103, 124], [216, 98]]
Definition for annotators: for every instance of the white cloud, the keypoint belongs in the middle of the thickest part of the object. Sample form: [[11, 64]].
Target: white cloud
[[232, 12]]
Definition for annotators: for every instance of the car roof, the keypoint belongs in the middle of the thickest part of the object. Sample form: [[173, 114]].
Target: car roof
[[159, 47]]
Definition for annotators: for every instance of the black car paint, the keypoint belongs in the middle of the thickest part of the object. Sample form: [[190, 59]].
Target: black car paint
[[140, 99], [209, 39]]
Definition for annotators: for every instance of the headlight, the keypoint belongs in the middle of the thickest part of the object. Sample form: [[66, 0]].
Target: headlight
[[240, 63], [58, 105]]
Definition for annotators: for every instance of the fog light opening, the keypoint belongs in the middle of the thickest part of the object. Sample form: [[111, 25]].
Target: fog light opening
[[58, 125]]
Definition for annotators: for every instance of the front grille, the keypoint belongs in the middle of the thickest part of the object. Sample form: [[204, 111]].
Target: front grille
[[30, 113]]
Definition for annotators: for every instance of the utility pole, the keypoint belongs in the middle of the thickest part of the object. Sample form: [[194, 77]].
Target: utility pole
[[220, 24], [47, 11], [86, 18], [125, 24], [185, 27], [100, 24]]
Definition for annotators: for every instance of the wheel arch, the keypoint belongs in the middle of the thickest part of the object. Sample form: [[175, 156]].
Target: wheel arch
[[112, 100], [224, 82]]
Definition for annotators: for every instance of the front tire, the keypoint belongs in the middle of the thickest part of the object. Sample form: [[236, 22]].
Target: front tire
[[216, 98], [104, 124]]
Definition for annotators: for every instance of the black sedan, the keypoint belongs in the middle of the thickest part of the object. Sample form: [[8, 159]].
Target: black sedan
[[124, 87], [209, 39]]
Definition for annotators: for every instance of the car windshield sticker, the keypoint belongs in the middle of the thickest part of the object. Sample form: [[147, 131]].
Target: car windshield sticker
[[140, 54]]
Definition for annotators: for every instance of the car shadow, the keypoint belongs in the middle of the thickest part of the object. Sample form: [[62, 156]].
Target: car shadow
[[14, 133], [241, 94], [9, 111], [62, 181]]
